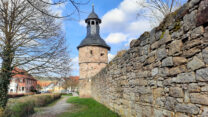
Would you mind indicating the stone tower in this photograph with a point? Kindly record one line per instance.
(93, 54)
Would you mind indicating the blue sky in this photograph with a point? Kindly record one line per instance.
(119, 26)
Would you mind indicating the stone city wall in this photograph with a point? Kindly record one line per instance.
(165, 71)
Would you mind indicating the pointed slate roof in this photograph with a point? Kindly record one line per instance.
(93, 15)
(93, 40)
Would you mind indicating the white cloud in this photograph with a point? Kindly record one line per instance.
(123, 19)
(138, 26)
(82, 23)
(75, 64)
(115, 38)
(110, 56)
(112, 20)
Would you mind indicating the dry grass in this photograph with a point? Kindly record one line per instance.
(25, 105)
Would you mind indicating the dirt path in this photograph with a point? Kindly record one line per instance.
(60, 107)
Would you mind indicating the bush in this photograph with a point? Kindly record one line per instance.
(1, 112)
(24, 106)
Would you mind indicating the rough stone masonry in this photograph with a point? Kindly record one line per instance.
(165, 71)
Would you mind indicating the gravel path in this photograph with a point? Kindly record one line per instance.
(60, 107)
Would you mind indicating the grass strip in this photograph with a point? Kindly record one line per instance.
(88, 108)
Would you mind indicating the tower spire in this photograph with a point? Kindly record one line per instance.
(93, 7)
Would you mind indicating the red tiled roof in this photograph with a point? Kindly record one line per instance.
(74, 77)
(19, 73)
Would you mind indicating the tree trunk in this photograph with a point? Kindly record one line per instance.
(5, 75)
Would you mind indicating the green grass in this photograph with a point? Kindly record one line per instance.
(67, 94)
(87, 107)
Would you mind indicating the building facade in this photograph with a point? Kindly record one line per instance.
(21, 82)
(93, 54)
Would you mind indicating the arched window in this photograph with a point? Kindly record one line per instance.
(93, 22)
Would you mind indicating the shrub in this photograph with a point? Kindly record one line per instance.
(1, 112)
(24, 106)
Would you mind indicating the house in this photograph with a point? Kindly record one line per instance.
(21, 82)
(48, 88)
(65, 85)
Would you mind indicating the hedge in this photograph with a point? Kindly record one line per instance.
(24, 106)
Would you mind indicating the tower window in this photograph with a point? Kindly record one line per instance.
(88, 23)
(91, 52)
(93, 22)
(102, 54)
(96, 23)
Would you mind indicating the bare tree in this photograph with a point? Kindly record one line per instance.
(32, 39)
(71, 5)
(156, 10)
(71, 82)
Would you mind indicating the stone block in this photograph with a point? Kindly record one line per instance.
(198, 98)
(177, 70)
(167, 62)
(146, 99)
(165, 38)
(187, 108)
(145, 50)
(144, 90)
(195, 63)
(163, 72)
(162, 113)
(133, 43)
(204, 89)
(170, 103)
(176, 92)
(167, 82)
(160, 101)
(185, 78)
(204, 112)
(150, 59)
(142, 74)
(191, 52)
(202, 74)
(206, 32)
(141, 82)
(158, 92)
(197, 32)
(194, 88)
(180, 115)
(205, 55)
(179, 60)
(155, 45)
(175, 47)
(146, 111)
(155, 71)
(161, 53)
(192, 43)
(202, 15)
(152, 36)
(192, 3)
(189, 21)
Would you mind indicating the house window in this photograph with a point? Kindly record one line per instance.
(102, 54)
(23, 88)
(11, 90)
